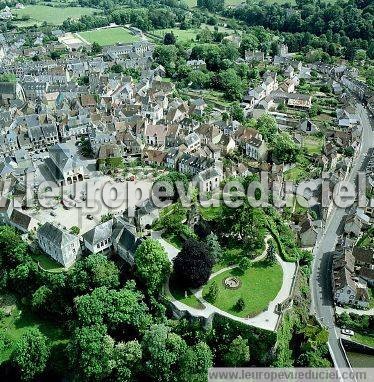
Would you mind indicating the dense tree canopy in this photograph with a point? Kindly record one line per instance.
(152, 265)
(193, 265)
(31, 354)
(92, 272)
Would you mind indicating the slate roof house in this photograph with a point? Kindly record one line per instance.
(59, 244)
(22, 221)
(347, 288)
(125, 240)
(99, 238)
(63, 165)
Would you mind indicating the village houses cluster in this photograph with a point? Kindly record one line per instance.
(55, 107)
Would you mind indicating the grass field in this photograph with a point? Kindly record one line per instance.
(211, 213)
(365, 339)
(295, 174)
(18, 322)
(313, 144)
(109, 36)
(260, 285)
(180, 34)
(180, 295)
(52, 15)
(47, 262)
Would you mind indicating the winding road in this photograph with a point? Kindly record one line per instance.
(320, 283)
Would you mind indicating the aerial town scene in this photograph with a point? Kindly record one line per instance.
(186, 187)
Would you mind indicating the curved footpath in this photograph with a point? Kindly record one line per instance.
(267, 320)
(320, 281)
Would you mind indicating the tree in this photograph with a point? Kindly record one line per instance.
(211, 5)
(85, 147)
(116, 68)
(193, 264)
(267, 126)
(244, 264)
(127, 358)
(30, 354)
(40, 297)
(165, 55)
(92, 272)
(171, 180)
(91, 352)
(152, 265)
(232, 84)
(212, 293)
(195, 363)
(169, 38)
(56, 54)
(240, 304)
(198, 79)
(270, 254)
(237, 112)
(249, 42)
(120, 310)
(13, 250)
(237, 352)
(96, 48)
(214, 247)
(74, 230)
(284, 148)
(163, 352)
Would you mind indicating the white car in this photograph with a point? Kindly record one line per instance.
(347, 332)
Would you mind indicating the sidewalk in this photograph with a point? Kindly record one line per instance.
(266, 320)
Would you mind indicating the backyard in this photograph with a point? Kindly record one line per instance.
(47, 263)
(109, 36)
(52, 15)
(259, 285)
(313, 144)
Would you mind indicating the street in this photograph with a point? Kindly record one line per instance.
(322, 301)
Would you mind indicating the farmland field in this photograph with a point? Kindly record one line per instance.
(52, 15)
(109, 36)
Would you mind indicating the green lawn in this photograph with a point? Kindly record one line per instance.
(174, 240)
(47, 263)
(211, 213)
(295, 174)
(12, 327)
(313, 144)
(109, 36)
(180, 295)
(52, 15)
(367, 239)
(180, 34)
(259, 285)
(366, 339)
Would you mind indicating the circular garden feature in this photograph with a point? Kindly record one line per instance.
(232, 282)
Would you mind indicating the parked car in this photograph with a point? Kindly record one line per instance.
(347, 332)
(90, 217)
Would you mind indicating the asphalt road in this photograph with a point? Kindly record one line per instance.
(322, 302)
